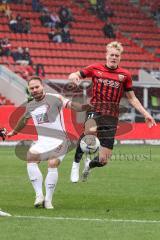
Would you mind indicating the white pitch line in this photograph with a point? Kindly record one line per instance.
(89, 219)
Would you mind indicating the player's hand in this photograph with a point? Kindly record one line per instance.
(150, 121)
(11, 133)
(86, 107)
(75, 78)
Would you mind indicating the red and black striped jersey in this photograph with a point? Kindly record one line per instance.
(108, 87)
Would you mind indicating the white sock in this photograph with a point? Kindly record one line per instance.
(50, 183)
(35, 177)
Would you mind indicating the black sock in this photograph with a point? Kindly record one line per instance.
(95, 163)
(79, 153)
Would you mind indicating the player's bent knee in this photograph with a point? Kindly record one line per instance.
(90, 127)
(90, 132)
(53, 163)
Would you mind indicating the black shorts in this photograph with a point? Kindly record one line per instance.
(106, 128)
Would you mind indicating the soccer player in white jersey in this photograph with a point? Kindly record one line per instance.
(45, 110)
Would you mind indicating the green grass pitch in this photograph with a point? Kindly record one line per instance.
(102, 208)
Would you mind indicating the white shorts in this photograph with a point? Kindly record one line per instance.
(49, 148)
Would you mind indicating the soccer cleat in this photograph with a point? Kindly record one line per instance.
(48, 205)
(86, 170)
(4, 214)
(75, 172)
(39, 201)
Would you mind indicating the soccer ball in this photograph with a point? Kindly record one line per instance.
(89, 144)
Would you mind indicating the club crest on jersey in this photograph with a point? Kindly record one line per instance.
(121, 77)
(42, 118)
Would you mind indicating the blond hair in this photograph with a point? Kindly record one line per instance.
(117, 45)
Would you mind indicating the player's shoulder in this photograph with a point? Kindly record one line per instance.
(29, 105)
(54, 95)
(124, 71)
(29, 102)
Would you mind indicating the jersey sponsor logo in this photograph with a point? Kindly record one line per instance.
(109, 82)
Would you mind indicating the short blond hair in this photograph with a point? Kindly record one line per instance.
(117, 45)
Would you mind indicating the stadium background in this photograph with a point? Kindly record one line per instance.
(136, 25)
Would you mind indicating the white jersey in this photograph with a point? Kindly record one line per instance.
(47, 115)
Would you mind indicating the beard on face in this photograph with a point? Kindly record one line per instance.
(39, 95)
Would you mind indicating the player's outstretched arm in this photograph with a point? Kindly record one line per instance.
(79, 107)
(133, 100)
(20, 125)
(75, 77)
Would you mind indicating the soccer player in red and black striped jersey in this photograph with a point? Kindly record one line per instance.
(109, 81)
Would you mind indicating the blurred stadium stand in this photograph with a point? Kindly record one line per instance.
(61, 59)
(134, 27)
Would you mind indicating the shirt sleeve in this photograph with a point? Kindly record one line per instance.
(27, 112)
(128, 85)
(63, 101)
(87, 71)
(24, 110)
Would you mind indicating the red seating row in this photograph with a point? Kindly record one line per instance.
(138, 25)
(74, 54)
(89, 46)
(151, 43)
(76, 47)
(20, 7)
(142, 22)
(23, 36)
(87, 25)
(153, 5)
(86, 32)
(135, 28)
(149, 36)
